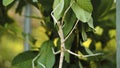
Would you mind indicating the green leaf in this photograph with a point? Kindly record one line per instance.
(81, 13)
(90, 23)
(101, 8)
(7, 2)
(47, 58)
(83, 33)
(85, 4)
(105, 6)
(24, 60)
(82, 9)
(69, 22)
(35, 0)
(68, 45)
(58, 7)
(88, 51)
(80, 65)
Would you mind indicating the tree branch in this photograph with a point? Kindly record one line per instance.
(62, 39)
(62, 47)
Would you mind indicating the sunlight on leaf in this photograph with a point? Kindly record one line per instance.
(112, 33)
(55, 41)
(111, 46)
(87, 43)
(98, 46)
(98, 30)
(40, 35)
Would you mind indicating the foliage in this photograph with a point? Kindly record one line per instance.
(85, 16)
(7, 2)
(26, 61)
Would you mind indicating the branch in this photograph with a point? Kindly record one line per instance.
(93, 55)
(71, 30)
(53, 12)
(41, 64)
(73, 53)
(55, 52)
(62, 39)
(66, 12)
(83, 56)
(60, 32)
(33, 65)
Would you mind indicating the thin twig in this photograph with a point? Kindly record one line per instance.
(55, 52)
(71, 30)
(41, 64)
(73, 53)
(83, 56)
(33, 61)
(53, 12)
(63, 17)
(33, 65)
(93, 55)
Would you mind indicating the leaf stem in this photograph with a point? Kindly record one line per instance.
(33, 61)
(55, 52)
